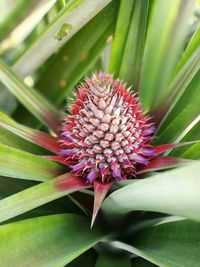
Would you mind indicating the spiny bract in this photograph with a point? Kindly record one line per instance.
(106, 136)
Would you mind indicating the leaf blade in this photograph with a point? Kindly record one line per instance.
(75, 14)
(133, 52)
(23, 165)
(166, 32)
(31, 99)
(182, 115)
(121, 32)
(37, 137)
(170, 244)
(66, 236)
(60, 78)
(38, 195)
(152, 194)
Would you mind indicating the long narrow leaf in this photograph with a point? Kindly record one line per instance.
(191, 48)
(39, 138)
(72, 17)
(38, 195)
(15, 16)
(177, 87)
(120, 36)
(166, 32)
(31, 99)
(192, 134)
(9, 139)
(192, 152)
(19, 164)
(161, 163)
(182, 114)
(133, 52)
(53, 240)
(21, 21)
(77, 56)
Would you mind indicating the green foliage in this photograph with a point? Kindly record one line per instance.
(17, 164)
(169, 243)
(53, 240)
(152, 45)
(164, 192)
(166, 32)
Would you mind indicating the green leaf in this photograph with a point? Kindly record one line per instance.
(86, 259)
(20, 22)
(113, 261)
(193, 134)
(166, 32)
(53, 240)
(37, 137)
(19, 164)
(9, 139)
(72, 17)
(174, 192)
(31, 99)
(183, 115)
(193, 152)
(7, 101)
(169, 244)
(77, 56)
(38, 195)
(178, 86)
(120, 36)
(190, 152)
(131, 59)
(9, 187)
(139, 262)
(15, 16)
(191, 48)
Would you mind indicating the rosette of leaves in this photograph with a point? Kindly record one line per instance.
(49, 186)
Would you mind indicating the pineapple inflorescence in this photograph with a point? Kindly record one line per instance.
(106, 136)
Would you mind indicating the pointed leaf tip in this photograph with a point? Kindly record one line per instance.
(100, 191)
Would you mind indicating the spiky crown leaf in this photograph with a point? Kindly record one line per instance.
(106, 136)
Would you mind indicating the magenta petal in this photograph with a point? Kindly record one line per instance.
(117, 173)
(79, 166)
(150, 130)
(67, 152)
(92, 175)
(140, 159)
(148, 152)
(67, 136)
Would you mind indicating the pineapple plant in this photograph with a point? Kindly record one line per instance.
(99, 133)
